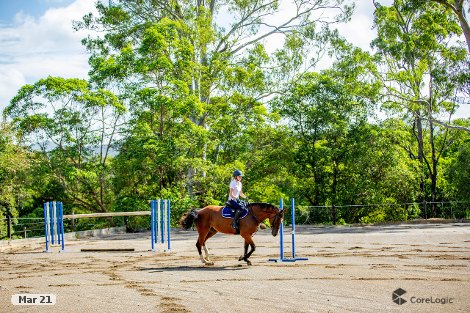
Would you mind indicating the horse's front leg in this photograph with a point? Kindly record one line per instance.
(242, 257)
(248, 242)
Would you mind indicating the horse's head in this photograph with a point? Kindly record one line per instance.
(263, 210)
(276, 220)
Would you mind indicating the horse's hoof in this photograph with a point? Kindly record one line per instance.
(248, 262)
(240, 258)
(209, 263)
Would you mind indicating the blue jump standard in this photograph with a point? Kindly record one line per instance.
(54, 224)
(281, 237)
(160, 213)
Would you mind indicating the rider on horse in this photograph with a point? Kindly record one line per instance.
(234, 197)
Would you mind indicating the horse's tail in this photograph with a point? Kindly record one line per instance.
(188, 219)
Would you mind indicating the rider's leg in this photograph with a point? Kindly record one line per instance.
(236, 218)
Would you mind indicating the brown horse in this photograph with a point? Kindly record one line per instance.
(209, 221)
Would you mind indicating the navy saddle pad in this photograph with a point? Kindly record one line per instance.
(229, 213)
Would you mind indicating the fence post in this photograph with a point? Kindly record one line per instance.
(334, 214)
(73, 220)
(425, 210)
(281, 233)
(9, 226)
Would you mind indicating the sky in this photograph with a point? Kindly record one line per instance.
(37, 40)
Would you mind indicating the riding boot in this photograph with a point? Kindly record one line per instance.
(236, 218)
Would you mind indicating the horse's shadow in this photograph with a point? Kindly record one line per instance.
(191, 268)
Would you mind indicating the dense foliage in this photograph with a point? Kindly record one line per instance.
(180, 93)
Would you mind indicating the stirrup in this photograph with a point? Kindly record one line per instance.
(237, 229)
(235, 225)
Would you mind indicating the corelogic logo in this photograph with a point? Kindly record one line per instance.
(396, 296)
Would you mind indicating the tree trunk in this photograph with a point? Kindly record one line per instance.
(465, 28)
(433, 170)
(433, 174)
(459, 10)
(419, 137)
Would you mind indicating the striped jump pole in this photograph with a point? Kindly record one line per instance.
(54, 224)
(281, 237)
(160, 223)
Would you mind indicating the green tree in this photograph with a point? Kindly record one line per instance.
(413, 41)
(322, 109)
(341, 157)
(459, 174)
(16, 190)
(197, 73)
(74, 128)
(458, 9)
(321, 113)
(456, 170)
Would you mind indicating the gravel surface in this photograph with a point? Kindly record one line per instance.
(349, 269)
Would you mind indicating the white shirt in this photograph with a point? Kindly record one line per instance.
(237, 188)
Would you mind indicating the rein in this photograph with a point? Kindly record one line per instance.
(250, 210)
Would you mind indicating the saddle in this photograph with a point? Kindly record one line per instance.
(229, 212)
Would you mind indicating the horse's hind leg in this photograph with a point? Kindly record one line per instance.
(199, 249)
(203, 235)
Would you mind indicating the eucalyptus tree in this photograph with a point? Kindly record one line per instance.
(458, 9)
(73, 127)
(202, 64)
(417, 51)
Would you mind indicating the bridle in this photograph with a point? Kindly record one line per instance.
(278, 215)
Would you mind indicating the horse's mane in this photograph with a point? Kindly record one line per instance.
(264, 206)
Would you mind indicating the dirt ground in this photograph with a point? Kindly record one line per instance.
(349, 269)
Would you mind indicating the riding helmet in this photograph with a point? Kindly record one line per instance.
(237, 173)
